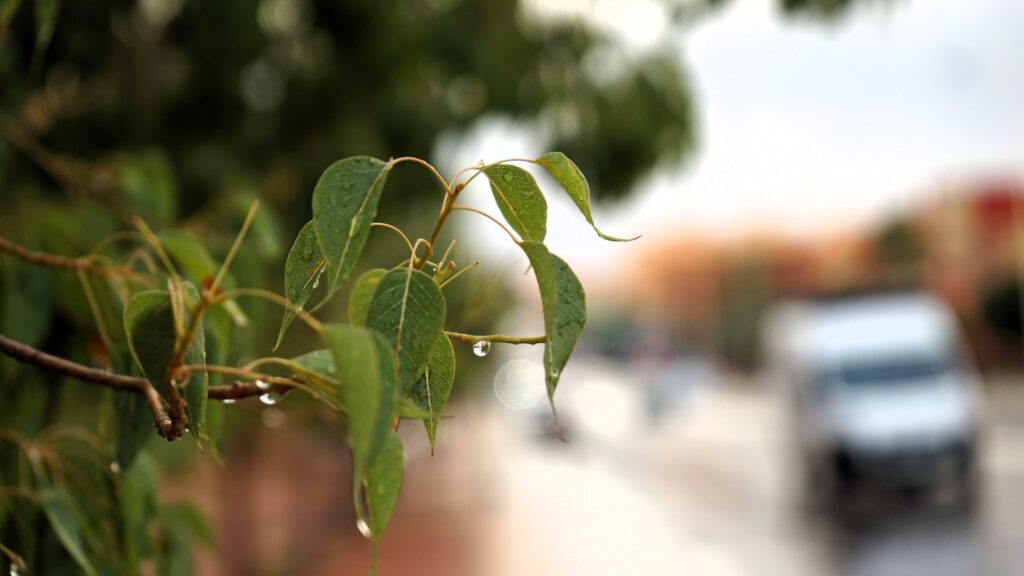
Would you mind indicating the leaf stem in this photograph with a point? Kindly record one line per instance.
(501, 338)
(489, 217)
(272, 297)
(234, 247)
(458, 273)
(396, 230)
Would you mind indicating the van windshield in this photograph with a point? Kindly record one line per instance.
(893, 371)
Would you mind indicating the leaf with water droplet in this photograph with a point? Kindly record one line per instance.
(565, 310)
(342, 215)
(520, 200)
(432, 390)
(362, 294)
(383, 482)
(59, 510)
(365, 363)
(302, 270)
(571, 179)
(409, 310)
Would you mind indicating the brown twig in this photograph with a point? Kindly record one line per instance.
(29, 355)
(63, 262)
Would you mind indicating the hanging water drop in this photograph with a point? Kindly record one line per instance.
(115, 468)
(481, 348)
(263, 385)
(270, 398)
(316, 283)
(364, 528)
(229, 400)
(16, 570)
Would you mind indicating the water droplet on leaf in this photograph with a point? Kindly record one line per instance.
(481, 348)
(364, 528)
(270, 398)
(316, 283)
(509, 177)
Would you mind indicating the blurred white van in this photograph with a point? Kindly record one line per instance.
(882, 390)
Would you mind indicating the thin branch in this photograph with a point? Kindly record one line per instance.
(241, 390)
(29, 355)
(502, 338)
(272, 297)
(63, 262)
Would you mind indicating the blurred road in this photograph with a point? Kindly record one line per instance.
(707, 489)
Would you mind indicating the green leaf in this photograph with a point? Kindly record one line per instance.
(134, 426)
(565, 310)
(8, 8)
(137, 507)
(366, 365)
(409, 310)
(57, 507)
(432, 390)
(406, 408)
(149, 325)
(46, 12)
(147, 183)
(362, 293)
(302, 272)
(571, 179)
(318, 370)
(520, 200)
(344, 205)
(383, 483)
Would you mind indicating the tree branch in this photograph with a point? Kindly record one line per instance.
(473, 338)
(63, 262)
(29, 355)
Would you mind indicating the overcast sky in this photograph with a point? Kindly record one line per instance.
(805, 127)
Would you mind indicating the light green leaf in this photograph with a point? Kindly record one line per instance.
(565, 310)
(149, 325)
(58, 508)
(318, 370)
(383, 483)
(520, 200)
(344, 205)
(362, 294)
(365, 363)
(432, 390)
(302, 272)
(409, 310)
(571, 179)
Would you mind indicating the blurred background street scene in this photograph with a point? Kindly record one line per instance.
(811, 362)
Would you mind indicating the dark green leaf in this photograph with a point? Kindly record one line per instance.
(520, 200)
(565, 310)
(7, 10)
(58, 508)
(149, 325)
(344, 205)
(366, 366)
(138, 507)
(432, 389)
(148, 185)
(569, 177)
(409, 310)
(362, 294)
(383, 483)
(302, 272)
(134, 426)
(46, 12)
